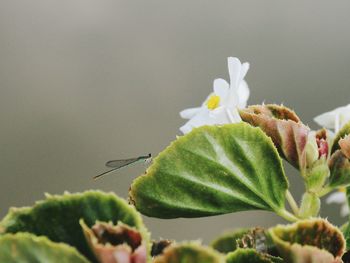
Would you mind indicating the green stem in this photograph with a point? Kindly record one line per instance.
(324, 191)
(287, 215)
(292, 203)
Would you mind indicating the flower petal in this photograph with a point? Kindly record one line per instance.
(337, 198)
(189, 113)
(219, 116)
(243, 94)
(326, 120)
(330, 119)
(186, 128)
(344, 210)
(221, 88)
(234, 69)
(244, 70)
(200, 119)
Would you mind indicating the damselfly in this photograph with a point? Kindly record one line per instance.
(117, 164)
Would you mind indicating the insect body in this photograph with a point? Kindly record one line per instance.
(117, 164)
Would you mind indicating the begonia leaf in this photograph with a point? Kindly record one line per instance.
(312, 240)
(189, 252)
(345, 130)
(284, 127)
(228, 241)
(251, 255)
(57, 217)
(25, 247)
(213, 170)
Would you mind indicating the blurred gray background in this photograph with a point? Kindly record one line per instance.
(86, 81)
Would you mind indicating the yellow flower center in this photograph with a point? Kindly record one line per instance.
(213, 102)
(342, 189)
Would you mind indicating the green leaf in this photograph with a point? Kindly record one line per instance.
(345, 130)
(159, 246)
(313, 240)
(228, 242)
(58, 217)
(346, 227)
(339, 167)
(213, 170)
(25, 247)
(339, 163)
(316, 175)
(189, 252)
(251, 256)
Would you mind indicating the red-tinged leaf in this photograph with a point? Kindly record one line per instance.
(339, 166)
(345, 146)
(345, 130)
(313, 240)
(115, 243)
(284, 127)
(189, 252)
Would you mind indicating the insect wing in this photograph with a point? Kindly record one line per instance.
(121, 163)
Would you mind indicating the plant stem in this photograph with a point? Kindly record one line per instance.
(292, 203)
(287, 215)
(324, 191)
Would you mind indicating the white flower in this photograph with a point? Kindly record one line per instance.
(334, 119)
(221, 106)
(339, 197)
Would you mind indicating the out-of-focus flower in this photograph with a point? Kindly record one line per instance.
(339, 197)
(334, 119)
(221, 106)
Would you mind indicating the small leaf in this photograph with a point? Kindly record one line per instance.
(344, 144)
(316, 175)
(189, 252)
(58, 217)
(313, 240)
(159, 246)
(346, 227)
(228, 242)
(25, 247)
(115, 243)
(213, 170)
(339, 167)
(251, 255)
(257, 239)
(345, 130)
(285, 129)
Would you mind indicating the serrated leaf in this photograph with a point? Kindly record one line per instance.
(25, 247)
(339, 167)
(111, 243)
(251, 256)
(345, 130)
(57, 217)
(284, 127)
(159, 246)
(346, 227)
(228, 242)
(189, 252)
(213, 170)
(313, 240)
(344, 144)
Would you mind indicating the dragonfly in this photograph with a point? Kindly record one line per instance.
(117, 164)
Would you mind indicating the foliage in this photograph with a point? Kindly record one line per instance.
(57, 217)
(211, 170)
